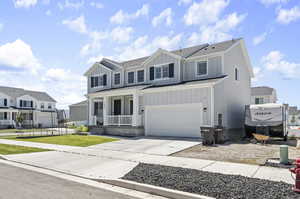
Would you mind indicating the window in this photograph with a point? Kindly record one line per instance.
(202, 68)
(130, 77)
(98, 107)
(131, 107)
(117, 78)
(220, 119)
(3, 102)
(140, 75)
(26, 104)
(49, 106)
(162, 72)
(259, 100)
(42, 105)
(236, 74)
(3, 115)
(97, 81)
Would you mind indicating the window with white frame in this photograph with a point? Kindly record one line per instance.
(130, 77)
(42, 105)
(97, 81)
(26, 104)
(117, 78)
(259, 100)
(3, 115)
(162, 71)
(140, 76)
(236, 74)
(3, 102)
(49, 106)
(201, 68)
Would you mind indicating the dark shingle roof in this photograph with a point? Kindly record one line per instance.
(261, 90)
(17, 92)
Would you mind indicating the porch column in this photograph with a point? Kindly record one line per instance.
(90, 112)
(106, 107)
(135, 115)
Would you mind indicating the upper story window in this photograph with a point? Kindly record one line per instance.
(49, 106)
(26, 104)
(162, 71)
(97, 81)
(42, 105)
(140, 76)
(201, 68)
(259, 100)
(130, 77)
(236, 74)
(117, 79)
(3, 102)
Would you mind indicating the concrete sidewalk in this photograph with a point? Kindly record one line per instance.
(104, 163)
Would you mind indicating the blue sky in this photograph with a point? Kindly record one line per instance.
(48, 45)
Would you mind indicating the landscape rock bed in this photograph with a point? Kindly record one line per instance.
(215, 185)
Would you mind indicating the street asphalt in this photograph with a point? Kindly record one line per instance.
(18, 183)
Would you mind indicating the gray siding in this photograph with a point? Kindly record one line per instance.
(237, 94)
(78, 113)
(214, 66)
(97, 71)
(195, 95)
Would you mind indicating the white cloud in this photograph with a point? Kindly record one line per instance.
(142, 46)
(77, 25)
(286, 16)
(94, 59)
(24, 3)
(121, 34)
(270, 2)
(217, 32)
(96, 5)
(260, 38)
(205, 12)
(58, 74)
(122, 17)
(48, 13)
(18, 54)
(184, 2)
(258, 74)
(71, 4)
(274, 61)
(164, 16)
(95, 42)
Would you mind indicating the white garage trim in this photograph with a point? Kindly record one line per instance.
(193, 116)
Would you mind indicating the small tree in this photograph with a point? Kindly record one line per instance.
(19, 119)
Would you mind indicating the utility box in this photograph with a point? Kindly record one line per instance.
(207, 134)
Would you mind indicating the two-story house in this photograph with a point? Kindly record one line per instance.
(172, 93)
(263, 95)
(36, 108)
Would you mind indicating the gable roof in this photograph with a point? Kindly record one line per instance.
(184, 53)
(82, 103)
(18, 92)
(262, 90)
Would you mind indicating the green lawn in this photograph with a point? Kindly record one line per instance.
(6, 149)
(71, 140)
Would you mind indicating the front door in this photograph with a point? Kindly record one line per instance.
(117, 107)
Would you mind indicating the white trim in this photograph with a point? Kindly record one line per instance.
(212, 106)
(161, 66)
(159, 52)
(216, 54)
(196, 68)
(87, 73)
(223, 64)
(105, 59)
(97, 75)
(134, 77)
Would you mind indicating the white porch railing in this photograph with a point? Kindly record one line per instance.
(7, 122)
(119, 120)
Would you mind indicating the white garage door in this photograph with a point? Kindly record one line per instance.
(182, 120)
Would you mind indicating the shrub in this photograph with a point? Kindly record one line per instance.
(84, 129)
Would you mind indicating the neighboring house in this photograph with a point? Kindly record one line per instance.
(172, 93)
(294, 116)
(263, 95)
(79, 113)
(36, 108)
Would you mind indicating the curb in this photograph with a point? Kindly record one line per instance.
(2, 157)
(160, 191)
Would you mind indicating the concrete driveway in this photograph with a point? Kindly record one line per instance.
(149, 145)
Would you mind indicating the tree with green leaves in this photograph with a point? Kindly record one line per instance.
(19, 119)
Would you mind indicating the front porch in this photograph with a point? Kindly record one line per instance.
(120, 109)
(8, 118)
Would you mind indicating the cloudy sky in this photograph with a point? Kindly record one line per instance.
(48, 44)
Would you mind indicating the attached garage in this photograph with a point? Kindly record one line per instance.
(180, 120)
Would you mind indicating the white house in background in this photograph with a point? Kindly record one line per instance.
(172, 93)
(263, 95)
(37, 108)
(294, 116)
(79, 113)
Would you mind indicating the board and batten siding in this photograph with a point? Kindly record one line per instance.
(79, 113)
(214, 68)
(97, 71)
(186, 96)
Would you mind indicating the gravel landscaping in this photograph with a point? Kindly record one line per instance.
(210, 184)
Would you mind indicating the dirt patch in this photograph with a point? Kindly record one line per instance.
(240, 152)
